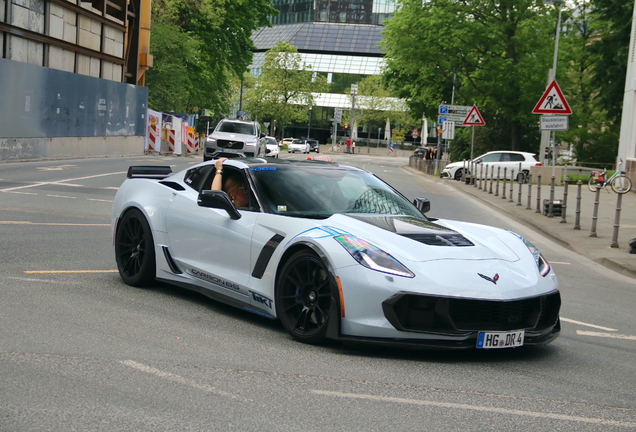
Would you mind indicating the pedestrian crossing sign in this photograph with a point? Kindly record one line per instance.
(474, 118)
(552, 101)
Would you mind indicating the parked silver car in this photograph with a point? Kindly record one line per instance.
(232, 138)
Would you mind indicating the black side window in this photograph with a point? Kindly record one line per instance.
(517, 157)
(196, 176)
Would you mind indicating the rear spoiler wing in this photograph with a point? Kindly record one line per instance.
(158, 172)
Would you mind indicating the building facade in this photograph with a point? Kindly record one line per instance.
(338, 39)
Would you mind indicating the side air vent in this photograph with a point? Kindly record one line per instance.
(173, 265)
(446, 239)
(173, 185)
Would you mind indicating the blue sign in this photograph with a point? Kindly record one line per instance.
(441, 119)
(443, 109)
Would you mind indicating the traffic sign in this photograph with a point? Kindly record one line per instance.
(474, 118)
(415, 133)
(457, 118)
(552, 102)
(554, 122)
(448, 131)
(453, 109)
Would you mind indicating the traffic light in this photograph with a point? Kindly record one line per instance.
(346, 126)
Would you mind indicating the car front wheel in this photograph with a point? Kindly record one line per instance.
(458, 174)
(304, 295)
(135, 250)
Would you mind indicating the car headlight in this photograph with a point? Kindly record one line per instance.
(542, 263)
(211, 140)
(372, 257)
(250, 143)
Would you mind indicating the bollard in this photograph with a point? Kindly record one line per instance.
(577, 218)
(529, 206)
(564, 204)
(463, 176)
(512, 184)
(519, 183)
(497, 188)
(481, 174)
(503, 194)
(473, 173)
(617, 219)
(551, 203)
(595, 214)
(492, 170)
(538, 194)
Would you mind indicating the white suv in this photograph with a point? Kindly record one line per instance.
(503, 159)
(232, 138)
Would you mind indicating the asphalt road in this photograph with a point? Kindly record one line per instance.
(79, 350)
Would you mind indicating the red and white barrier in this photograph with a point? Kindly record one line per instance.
(171, 140)
(153, 138)
(190, 144)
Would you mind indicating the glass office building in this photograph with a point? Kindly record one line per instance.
(337, 38)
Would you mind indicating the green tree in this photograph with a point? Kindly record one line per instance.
(284, 89)
(203, 44)
(494, 54)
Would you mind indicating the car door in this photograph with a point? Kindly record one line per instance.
(211, 246)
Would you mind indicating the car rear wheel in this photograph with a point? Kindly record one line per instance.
(135, 250)
(304, 295)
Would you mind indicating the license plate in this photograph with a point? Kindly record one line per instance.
(491, 340)
(224, 150)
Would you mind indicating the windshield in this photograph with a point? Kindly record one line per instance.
(321, 191)
(298, 141)
(239, 128)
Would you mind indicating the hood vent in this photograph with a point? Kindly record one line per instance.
(446, 239)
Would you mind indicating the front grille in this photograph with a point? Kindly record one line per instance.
(424, 313)
(228, 144)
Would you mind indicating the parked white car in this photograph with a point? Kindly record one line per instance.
(494, 160)
(273, 149)
(299, 145)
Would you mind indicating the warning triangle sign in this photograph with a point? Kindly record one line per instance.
(474, 118)
(552, 101)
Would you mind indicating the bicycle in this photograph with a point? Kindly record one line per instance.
(335, 148)
(617, 181)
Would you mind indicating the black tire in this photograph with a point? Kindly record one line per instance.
(135, 250)
(304, 294)
(522, 177)
(458, 174)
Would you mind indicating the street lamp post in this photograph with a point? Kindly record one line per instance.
(309, 124)
(551, 135)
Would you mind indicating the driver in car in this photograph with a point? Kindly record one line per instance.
(233, 185)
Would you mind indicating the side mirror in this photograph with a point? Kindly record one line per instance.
(219, 200)
(422, 204)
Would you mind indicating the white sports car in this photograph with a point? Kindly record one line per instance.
(334, 252)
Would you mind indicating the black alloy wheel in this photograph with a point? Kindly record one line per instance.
(304, 296)
(135, 250)
(458, 174)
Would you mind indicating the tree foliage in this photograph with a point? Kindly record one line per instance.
(493, 54)
(198, 47)
(283, 91)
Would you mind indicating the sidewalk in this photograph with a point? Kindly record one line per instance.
(598, 248)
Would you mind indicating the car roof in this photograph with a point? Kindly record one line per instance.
(510, 151)
(237, 121)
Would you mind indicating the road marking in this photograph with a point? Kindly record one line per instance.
(605, 335)
(179, 379)
(54, 168)
(49, 223)
(505, 411)
(67, 271)
(560, 262)
(587, 324)
(61, 196)
(100, 200)
(61, 181)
